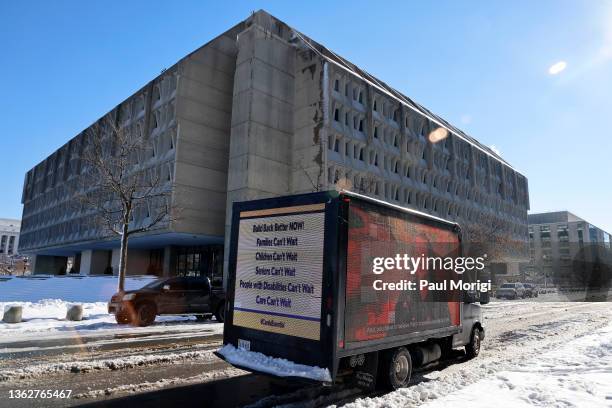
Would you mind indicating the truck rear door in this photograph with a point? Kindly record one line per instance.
(282, 254)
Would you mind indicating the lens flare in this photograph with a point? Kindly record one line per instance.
(438, 135)
(557, 68)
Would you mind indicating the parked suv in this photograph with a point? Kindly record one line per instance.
(511, 291)
(179, 295)
(530, 290)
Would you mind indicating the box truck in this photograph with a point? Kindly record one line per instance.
(325, 286)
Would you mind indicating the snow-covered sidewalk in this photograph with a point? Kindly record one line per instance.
(47, 317)
(46, 299)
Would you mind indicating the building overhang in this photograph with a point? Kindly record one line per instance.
(150, 241)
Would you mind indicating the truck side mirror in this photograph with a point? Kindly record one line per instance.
(469, 297)
(485, 297)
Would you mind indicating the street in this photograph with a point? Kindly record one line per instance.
(158, 367)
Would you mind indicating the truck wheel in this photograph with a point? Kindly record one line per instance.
(472, 349)
(396, 368)
(145, 314)
(220, 312)
(202, 318)
(122, 318)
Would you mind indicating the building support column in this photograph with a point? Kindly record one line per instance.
(115, 260)
(86, 257)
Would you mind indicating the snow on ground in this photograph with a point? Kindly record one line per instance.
(71, 288)
(276, 366)
(119, 363)
(557, 362)
(46, 299)
(576, 375)
(48, 316)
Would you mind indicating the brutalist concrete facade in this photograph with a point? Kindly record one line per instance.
(263, 111)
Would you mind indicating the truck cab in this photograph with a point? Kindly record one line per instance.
(472, 330)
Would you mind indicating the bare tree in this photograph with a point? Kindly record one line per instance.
(490, 236)
(122, 185)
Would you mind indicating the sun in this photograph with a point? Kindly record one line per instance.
(557, 68)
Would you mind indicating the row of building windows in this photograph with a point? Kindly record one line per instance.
(58, 205)
(423, 200)
(452, 155)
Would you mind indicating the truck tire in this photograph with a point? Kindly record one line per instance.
(144, 314)
(220, 312)
(203, 318)
(122, 318)
(472, 349)
(396, 368)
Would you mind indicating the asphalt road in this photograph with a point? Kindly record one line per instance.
(158, 369)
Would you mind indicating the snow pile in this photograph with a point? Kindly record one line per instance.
(76, 288)
(578, 373)
(275, 366)
(111, 364)
(49, 316)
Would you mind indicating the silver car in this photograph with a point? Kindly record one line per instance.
(510, 291)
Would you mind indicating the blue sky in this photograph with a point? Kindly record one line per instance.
(481, 65)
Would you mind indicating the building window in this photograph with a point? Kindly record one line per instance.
(337, 85)
(337, 115)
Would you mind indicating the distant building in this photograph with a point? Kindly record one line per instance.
(556, 241)
(261, 111)
(9, 236)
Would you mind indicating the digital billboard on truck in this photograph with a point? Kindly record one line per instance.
(377, 231)
(279, 270)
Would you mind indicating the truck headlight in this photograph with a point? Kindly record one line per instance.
(129, 296)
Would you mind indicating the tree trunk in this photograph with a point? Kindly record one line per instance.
(123, 258)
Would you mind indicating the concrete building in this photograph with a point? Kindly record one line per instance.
(556, 241)
(9, 236)
(262, 111)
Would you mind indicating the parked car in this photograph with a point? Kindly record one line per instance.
(530, 290)
(193, 296)
(511, 291)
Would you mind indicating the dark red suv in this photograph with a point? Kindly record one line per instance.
(169, 296)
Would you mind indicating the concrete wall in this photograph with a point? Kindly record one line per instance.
(262, 125)
(204, 109)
